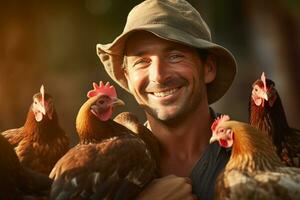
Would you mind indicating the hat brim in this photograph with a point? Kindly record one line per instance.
(111, 55)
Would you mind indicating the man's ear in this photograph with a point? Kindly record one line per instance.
(210, 69)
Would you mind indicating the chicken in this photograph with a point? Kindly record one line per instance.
(17, 182)
(110, 161)
(267, 114)
(254, 171)
(41, 141)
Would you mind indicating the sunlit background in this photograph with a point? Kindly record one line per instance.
(53, 43)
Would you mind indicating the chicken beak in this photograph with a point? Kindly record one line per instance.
(117, 102)
(265, 96)
(39, 111)
(213, 139)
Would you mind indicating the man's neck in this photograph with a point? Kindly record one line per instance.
(183, 141)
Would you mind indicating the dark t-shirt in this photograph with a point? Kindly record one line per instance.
(208, 167)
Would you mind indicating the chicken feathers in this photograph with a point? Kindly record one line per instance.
(254, 170)
(131, 122)
(110, 161)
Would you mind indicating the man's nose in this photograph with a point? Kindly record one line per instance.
(158, 70)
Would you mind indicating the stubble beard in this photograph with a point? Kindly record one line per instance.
(181, 114)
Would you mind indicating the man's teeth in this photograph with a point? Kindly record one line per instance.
(165, 93)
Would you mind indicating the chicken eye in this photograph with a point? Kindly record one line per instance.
(221, 130)
(256, 89)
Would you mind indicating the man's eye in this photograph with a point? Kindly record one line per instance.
(140, 63)
(175, 57)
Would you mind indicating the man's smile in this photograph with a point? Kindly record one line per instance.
(165, 93)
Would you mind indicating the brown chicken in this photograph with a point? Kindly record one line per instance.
(17, 182)
(266, 112)
(254, 171)
(131, 122)
(41, 141)
(110, 161)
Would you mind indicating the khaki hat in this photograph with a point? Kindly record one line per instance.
(174, 20)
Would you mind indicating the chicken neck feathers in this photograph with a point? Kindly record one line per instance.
(249, 153)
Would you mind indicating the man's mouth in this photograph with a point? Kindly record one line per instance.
(167, 90)
(165, 93)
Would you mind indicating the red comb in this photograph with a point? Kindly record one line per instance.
(42, 91)
(219, 120)
(106, 89)
(263, 79)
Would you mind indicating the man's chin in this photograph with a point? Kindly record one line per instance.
(167, 117)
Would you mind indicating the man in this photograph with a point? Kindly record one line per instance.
(166, 59)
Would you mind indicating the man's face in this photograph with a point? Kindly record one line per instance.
(166, 78)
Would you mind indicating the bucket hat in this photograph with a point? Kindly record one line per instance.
(173, 20)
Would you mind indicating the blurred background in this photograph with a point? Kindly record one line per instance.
(53, 43)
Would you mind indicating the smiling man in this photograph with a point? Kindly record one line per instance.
(166, 59)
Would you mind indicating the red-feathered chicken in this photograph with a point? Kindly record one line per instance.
(267, 114)
(16, 181)
(254, 171)
(110, 162)
(41, 141)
